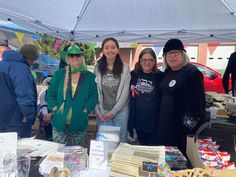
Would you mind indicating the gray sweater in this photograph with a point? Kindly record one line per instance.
(122, 94)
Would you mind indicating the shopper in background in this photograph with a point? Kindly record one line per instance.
(3, 46)
(182, 108)
(230, 70)
(18, 105)
(45, 116)
(145, 98)
(71, 96)
(113, 78)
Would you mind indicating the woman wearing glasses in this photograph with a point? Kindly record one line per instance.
(113, 77)
(71, 96)
(182, 108)
(145, 98)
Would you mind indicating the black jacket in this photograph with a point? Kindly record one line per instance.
(182, 105)
(230, 69)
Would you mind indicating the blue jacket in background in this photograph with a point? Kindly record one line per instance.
(18, 95)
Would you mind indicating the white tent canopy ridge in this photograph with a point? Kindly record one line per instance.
(128, 21)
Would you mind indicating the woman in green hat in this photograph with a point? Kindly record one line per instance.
(71, 96)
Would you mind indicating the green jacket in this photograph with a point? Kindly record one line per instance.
(85, 97)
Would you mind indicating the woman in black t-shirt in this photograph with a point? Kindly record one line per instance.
(144, 102)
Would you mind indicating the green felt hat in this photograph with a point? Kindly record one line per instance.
(74, 49)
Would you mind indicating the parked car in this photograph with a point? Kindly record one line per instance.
(44, 67)
(212, 78)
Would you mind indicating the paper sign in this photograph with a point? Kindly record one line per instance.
(8, 149)
(98, 155)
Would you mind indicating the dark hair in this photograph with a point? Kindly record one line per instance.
(150, 51)
(102, 62)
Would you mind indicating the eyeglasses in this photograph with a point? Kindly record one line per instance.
(173, 52)
(147, 59)
(74, 55)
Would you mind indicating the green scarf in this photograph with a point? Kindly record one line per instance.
(77, 69)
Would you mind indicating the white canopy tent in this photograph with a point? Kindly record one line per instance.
(126, 20)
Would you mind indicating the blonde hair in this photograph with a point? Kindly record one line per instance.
(185, 58)
(66, 81)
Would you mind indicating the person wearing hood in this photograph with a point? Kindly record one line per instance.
(3, 46)
(71, 96)
(182, 107)
(18, 105)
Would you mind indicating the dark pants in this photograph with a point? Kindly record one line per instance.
(148, 139)
(46, 131)
(23, 131)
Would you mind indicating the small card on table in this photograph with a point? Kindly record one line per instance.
(98, 156)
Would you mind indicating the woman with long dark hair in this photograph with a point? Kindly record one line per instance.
(113, 77)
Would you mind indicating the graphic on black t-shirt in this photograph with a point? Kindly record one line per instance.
(144, 86)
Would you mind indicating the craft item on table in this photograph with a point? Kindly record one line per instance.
(210, 163)
(150, 167)
(37, 147)
(55, 159)
(76, 160)
(55, 172)
(8, 152)
(196, 172)
(98, 155)
(109, 135)
(212, 157)
(208, 143)
(174, 158)
(231, 108)
(9, 165)
(230, 166)
(65, 172)
(128, 159)
(213, 112)
(164, 170)
(223, 156)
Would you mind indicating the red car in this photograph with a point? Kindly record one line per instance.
(212, 78)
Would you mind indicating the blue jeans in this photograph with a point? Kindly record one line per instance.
(119, 120)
